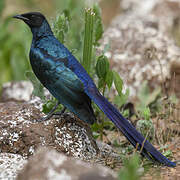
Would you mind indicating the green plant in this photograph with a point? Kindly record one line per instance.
(105, 76)
(146, 128)
(61, 26)
(130, 171)
(121, 98)
(68, 25)
(149, 105)
(13, 50)
(165, 151)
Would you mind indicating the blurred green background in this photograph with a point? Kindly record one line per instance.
(15, 36)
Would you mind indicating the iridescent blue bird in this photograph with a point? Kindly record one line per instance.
(66, 79)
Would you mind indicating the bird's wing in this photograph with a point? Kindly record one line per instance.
(70, 82)
(61, 78)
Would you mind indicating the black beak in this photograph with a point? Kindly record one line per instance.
(21, 17)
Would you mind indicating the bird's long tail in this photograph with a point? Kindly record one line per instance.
(128, 130)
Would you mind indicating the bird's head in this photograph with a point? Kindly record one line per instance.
(32, 19)
(37, 22)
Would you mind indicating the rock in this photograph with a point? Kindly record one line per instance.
(10, 165)
(166, 10)
(20, 133)
(165, 14)
(141, 45)
(50, 165)
(16, 91)
(22, 91)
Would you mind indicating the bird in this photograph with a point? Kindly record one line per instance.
(66, 79)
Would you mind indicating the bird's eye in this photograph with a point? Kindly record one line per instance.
(36, 20)
(33, 17)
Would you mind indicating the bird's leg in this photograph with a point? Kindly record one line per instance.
(50, 114)
(60, 112)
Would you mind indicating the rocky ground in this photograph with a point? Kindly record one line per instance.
(22, 139)
(21, 134)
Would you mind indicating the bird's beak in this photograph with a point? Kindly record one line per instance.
(21, 17)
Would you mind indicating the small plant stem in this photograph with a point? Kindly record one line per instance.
(144, 141)
(88, 39)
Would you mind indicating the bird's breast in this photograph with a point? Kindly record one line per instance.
(42, 67)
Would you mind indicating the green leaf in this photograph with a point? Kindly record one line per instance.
(126, 113)
(101, 83)
(61, 26)
(120, 100)
(147, 113)
(95, 127)
(49, 104)
(102, 66)
(118, 82)
(67, 15)
(96, 135)
(130, 169)
(108, 124)
(109, 78)
(167, 153)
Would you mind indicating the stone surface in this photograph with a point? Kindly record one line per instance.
(20, 133)
(55, 166)
(16, 91)
(141, 46)
(10, 165)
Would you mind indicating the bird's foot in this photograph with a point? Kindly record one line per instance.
(57, 114)
(60, 112)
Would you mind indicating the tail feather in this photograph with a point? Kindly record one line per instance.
(128, 130)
